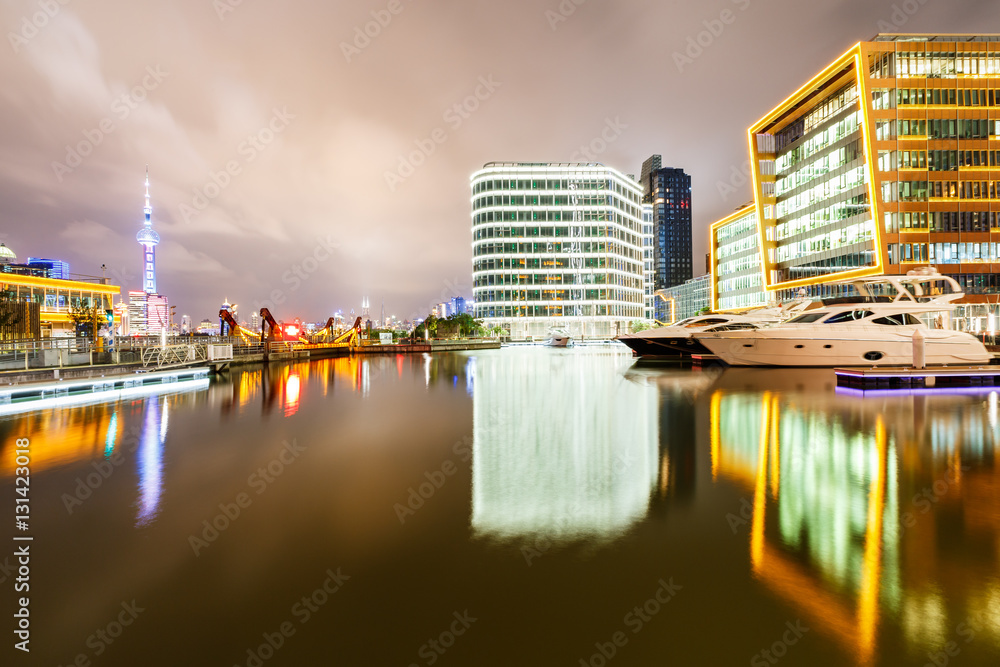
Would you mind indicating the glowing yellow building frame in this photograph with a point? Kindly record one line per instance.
(849, 66)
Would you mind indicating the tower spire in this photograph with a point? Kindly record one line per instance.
(149, 239)
(147, 209)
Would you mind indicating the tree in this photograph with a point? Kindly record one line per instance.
(467, 325)
(428, 325)
(639, 325)
(87, 318)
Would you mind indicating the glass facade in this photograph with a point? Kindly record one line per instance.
(887, 160)
(687, 299)
(736, 264)
(818, 214)
(557, 245)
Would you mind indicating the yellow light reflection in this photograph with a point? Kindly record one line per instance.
(872, 568)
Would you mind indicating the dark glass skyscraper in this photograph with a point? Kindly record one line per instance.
(668, 190)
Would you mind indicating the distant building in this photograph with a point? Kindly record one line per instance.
(137, 313)
(54, 268)
(185, 324)
(686, 300)
(7, 255)
(208, 327)
(668, 191)
(647, 261)
(557, 245)
(735, 262)
(457, 305)
(157, 314)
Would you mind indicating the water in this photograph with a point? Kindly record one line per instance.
(516, 507)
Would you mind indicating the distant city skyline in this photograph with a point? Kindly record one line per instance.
(304, 159)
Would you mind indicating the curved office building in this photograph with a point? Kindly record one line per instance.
(557, 245)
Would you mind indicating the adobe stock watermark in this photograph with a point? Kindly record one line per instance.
(926, 498)
(901, 14)
(434, 648)
(612, 131)
(300, 272)
(700, 42)
(779, 649)
(562, 13)
(259, 481)
(433, 481)
(89, 483)
(738, 179)
(635, 620)
(104, 637)
(223, 7)
(303, 611)
(454, 117)
(248, 149)
(952, 649)
(35, 23)
(365, 34)
(121, 108)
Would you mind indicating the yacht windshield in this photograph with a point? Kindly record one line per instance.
(848, 316)
(707, 321)
(808, 317)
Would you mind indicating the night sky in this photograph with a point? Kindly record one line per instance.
(297, 160)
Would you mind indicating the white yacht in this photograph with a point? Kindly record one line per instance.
(559, 338)
(875, 327)
(678, 340)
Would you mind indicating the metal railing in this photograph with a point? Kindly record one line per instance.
(173, 355)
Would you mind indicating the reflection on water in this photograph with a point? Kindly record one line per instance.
(562, 448)
(868, 509)
(154, 434)
(770, 495)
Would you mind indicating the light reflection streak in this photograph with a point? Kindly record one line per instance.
(112, 436)
(292, 394)
(154, 434)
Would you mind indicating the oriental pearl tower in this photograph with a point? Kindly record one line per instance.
(148, 239)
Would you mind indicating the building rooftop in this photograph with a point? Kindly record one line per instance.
(934, 37)
(6, 254)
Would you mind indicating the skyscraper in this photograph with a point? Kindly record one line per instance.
(668, 191)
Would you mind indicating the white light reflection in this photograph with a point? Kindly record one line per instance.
(154, 434)
(562, 449)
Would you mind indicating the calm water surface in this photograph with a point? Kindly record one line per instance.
(514, 507)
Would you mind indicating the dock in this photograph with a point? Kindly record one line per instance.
(35, 395)
(918, 378)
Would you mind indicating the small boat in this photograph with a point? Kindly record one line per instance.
(559, 338)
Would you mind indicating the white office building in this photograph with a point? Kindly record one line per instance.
(557, 245)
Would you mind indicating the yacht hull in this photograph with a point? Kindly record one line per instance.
(680, 346)
(848, 348)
